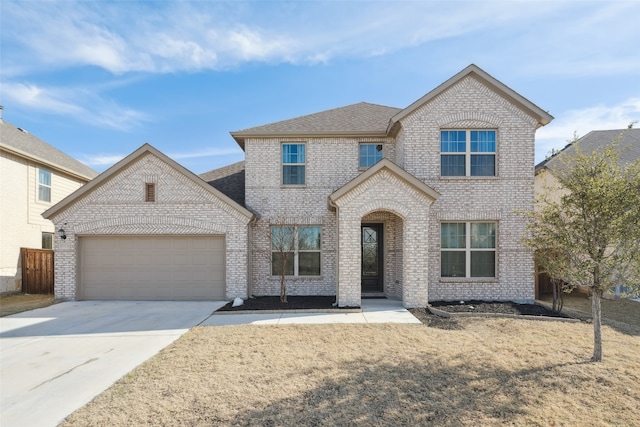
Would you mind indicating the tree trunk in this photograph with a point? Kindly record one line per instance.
(283, 289)
(597, 325)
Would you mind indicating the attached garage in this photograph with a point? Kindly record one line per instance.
(152, 268)
(149, 229)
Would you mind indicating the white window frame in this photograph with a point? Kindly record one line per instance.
(283, 164)
(379, 147)
(296, 250)
(468, 153)
(468, 250)
(49, 237)
(43, 185)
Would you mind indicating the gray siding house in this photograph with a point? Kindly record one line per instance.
(415, 204)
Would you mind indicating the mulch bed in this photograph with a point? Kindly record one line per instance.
(497, 307)
(294, 303)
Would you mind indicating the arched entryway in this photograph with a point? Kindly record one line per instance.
(384, 193)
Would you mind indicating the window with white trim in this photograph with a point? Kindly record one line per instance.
(293, 164)
(370, 154)
(467, 153)
(296, 249)
(47, 240)
(44, 185)
(468, 249)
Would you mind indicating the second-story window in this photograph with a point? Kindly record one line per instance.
(468, 153)
(370, 154)
(293, 164)
(44, 185)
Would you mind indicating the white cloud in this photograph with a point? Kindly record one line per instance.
(185, 36)
(599, 117)
(100, 160)
(74, 103)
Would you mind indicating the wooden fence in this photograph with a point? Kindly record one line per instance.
(37, 271)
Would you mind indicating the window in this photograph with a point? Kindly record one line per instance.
(468, 153)
(468, 249)
(44, 185)
(47, 240)
(149, 192)
(296, 249)
(370, 154)
(293, 164)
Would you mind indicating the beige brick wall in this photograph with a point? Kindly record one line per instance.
(181, 208)
(21, 222)
(469, 104)
(413, 276)
(331, 162)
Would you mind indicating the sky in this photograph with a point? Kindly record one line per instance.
(97, 79)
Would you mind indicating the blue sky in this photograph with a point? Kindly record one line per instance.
(97, 79)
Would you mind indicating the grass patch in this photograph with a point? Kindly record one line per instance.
(490, 371)
(17, 303)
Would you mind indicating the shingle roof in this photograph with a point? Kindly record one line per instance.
(362, 118)
(229, 180)
(369, 120)
(629, 146)
(27, 145)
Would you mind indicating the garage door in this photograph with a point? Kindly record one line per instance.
(152, 268)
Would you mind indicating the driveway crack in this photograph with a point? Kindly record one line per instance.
(64, 373)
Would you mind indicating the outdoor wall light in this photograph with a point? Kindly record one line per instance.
(63, 236)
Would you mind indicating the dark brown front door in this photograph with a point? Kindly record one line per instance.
(372, 258)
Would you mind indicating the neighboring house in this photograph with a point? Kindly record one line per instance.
(33, 177)
(628, 145)
(416, 204)
(546, 171)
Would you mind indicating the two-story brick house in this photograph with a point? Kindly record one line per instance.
(416, 204)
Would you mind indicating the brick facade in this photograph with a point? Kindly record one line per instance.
(118, 207)
(405, 193)
(411, 223)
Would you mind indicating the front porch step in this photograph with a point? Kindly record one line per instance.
(372, 295)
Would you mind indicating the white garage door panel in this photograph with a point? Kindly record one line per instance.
(152, 268)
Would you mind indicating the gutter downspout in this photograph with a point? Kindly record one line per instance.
(334, 206)
(251, 224)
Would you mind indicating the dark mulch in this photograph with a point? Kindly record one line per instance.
(498, 307)
(294, 303)
(430, 319)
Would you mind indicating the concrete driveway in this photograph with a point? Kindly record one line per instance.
(56, 359)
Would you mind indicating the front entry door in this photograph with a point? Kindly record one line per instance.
(372, 278)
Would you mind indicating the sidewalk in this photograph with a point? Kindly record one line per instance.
(373, 311)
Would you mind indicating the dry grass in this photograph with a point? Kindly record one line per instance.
(17, 303)
(490, 372)
(617, 313)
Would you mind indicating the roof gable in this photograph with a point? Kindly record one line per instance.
(22, 143)
(371, 120)
(385, 164)
(123, 164)
(495, 85)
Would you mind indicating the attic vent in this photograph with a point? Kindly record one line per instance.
(23, 130)
(149, 192)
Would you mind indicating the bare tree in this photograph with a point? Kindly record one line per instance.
(590, 236)
(283, 240)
